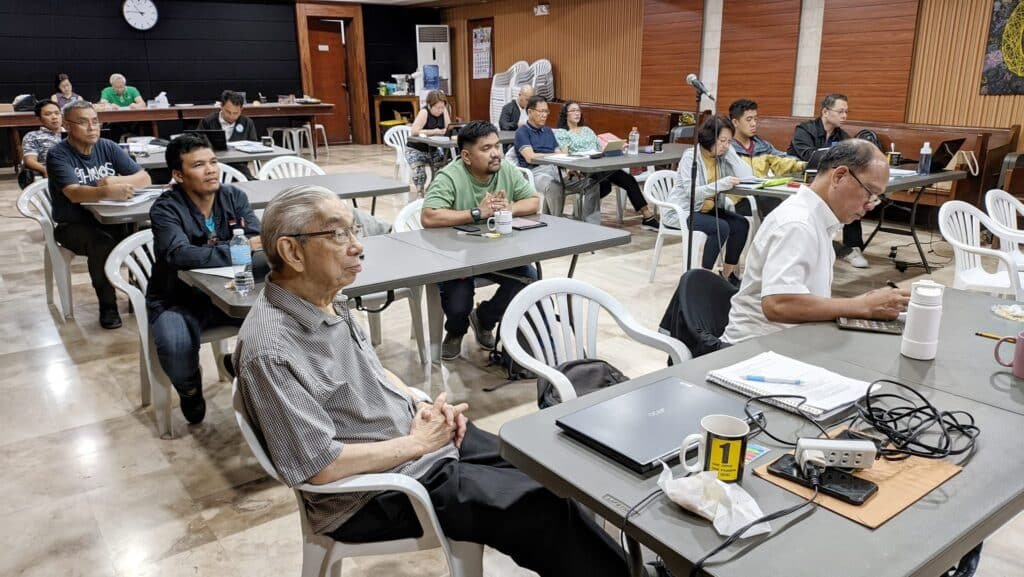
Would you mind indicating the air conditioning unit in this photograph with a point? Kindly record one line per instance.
(433, 47)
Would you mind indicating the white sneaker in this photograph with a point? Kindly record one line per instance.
(856, 259)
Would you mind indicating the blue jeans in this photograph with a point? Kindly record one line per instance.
(457, 299)
(176, 335)
(726, 228)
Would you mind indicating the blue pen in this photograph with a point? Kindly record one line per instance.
(763, 379)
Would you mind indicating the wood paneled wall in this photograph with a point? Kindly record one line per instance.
(867, 47)
(758, 55)
(577, 36)
(671, 49)
(946, 82)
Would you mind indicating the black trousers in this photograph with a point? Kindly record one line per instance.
(626, 182)
(482, 498)
(95, 242)
(457, 299)
(853, 235)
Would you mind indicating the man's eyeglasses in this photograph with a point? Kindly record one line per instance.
(840, 110)
(540, 111)
(86, 123)
(340, 235)
(872, 198)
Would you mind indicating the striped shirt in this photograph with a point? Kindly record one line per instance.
(312, 383)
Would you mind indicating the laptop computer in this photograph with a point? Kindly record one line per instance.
(646, 425)
(815, 159)
(943, 153)
(216, 137)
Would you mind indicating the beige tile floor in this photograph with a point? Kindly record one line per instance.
(88, 489)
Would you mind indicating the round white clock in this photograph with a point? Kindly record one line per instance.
(139, 14)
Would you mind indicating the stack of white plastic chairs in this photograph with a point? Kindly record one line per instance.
(523, 77)
(501, 88)
(543, 79)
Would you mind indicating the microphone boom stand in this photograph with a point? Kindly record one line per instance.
(693, 184)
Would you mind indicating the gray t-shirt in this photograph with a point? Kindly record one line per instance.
(65, 165)
(312, 384)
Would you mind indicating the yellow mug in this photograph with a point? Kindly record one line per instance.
(721, 447)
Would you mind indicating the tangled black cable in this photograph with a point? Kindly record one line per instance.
(625, 520)
(904, 425)
(761, 422)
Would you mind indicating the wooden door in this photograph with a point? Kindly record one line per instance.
(481, 31)
(330, 76)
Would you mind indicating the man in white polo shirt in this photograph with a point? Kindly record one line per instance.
(788, 276)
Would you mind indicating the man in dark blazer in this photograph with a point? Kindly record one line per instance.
(513, 114)
(235, 125)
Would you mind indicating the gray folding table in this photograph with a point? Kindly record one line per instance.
(229, 156)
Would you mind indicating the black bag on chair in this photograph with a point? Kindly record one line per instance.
(586, 376)
(699, 312)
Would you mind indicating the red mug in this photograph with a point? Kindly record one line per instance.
(1018, 355)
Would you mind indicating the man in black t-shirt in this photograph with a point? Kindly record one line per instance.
(87, 168)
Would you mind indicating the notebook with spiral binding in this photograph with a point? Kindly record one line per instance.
(827, 392)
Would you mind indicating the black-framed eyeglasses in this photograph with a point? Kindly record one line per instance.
(840, 110)
(86, 123)
(341, 235)
(872, 197)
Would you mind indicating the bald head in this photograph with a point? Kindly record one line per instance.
(524, 95)
(851, 177)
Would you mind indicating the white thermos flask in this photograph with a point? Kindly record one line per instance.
(921, 333)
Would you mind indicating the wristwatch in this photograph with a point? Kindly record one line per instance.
(475, 213)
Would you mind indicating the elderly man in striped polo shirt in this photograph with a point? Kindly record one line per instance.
(327, 409)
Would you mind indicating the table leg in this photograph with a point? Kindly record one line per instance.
(913, 230)
(373, 205)
(572, 265)
(435, 321)
(310, 120)
(376, 116)
(636, 558)
(540, 273)
(879, 225)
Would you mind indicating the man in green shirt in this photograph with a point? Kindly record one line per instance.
(120, 95)
(467, 191)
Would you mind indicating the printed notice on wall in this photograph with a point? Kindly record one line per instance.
(481, 53)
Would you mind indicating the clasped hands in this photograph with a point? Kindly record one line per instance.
(492, 203)
(437, 423)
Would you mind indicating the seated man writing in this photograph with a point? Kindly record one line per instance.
(326, 409)
(535, 140)
(87, 168)
(470, 190)
(192, 228)
(788, 277)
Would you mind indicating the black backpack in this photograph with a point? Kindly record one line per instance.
(500, 357)
(586, 376)
(871, 137)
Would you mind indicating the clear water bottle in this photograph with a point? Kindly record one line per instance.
(634, 142)
(924, 314)
(924, 166)
(241, 262)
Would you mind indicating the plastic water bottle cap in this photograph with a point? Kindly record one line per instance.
(927, 293)
(238, 232)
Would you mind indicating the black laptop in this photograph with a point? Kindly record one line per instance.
(216, 137)
(648, 424)
(943, 153)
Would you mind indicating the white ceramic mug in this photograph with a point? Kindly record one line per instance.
(501, 222)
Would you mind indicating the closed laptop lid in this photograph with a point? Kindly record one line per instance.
(944, 153)
(647, 424)
(216, 137)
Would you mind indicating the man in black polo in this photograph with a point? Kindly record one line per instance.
(192, 228)
(513, 114)
(236, 126)
(87, 168)
(823, 132)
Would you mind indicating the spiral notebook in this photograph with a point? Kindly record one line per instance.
(827, 393)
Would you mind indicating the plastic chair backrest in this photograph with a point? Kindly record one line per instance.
(249, 434)
(1004, 208)
(137, 254)
(230, 174)
(396, 137)
(558, 319)
(409, 217)
(34, 202)
(289, 167)
(960, 224)
(528, 174)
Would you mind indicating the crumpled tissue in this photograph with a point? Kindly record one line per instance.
(727, 505)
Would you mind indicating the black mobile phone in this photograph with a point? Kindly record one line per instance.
(833, 482)
(888, 327)
(467, 228)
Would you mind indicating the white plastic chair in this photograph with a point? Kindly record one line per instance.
(558, 319)
(291, 136)
(230, 174)
(289, 167)
(656, 190)
(136, 253)
(322, 555)
(322, 131)
(34, 203)
(409, 217)
(960, 224)
(528, 174)
(396, 137)
(1004, 209)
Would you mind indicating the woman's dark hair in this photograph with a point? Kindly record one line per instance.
(183, 145)
(40, 105)
(712, 127)
(563, 114)
(60, 78)
(474, 130)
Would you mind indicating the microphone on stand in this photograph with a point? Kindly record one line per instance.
(693, 81)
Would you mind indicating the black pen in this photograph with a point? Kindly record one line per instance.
(891, 284)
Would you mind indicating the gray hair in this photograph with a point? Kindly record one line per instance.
(117, 76)
(291, 212)
(853, 153)
(79, 104)
(830, 100)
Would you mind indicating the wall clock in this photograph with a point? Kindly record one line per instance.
(139, 14)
